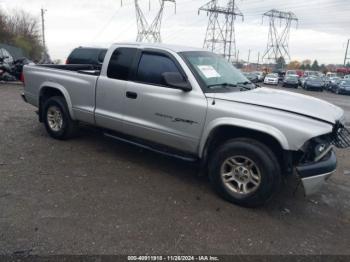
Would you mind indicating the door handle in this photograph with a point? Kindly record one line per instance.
(131, 95)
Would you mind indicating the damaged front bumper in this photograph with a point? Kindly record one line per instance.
(313, 175)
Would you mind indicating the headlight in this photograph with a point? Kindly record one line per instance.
(316, 148)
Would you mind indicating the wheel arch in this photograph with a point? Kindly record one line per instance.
(49, 89)
(223, 131)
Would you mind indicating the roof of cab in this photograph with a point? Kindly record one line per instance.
(174, 48)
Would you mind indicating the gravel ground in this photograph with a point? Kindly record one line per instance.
(92, 195)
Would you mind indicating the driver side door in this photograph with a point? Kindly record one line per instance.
(159, 113)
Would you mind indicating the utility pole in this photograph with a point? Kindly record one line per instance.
(45, 56)
(43, 11)
(220, 34)
(278, 38)
(347, 57)
(249, 55)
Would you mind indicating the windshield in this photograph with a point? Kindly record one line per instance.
(292, 77)
(213, 70)
(271, 75)
(345, 82)
(315, 79)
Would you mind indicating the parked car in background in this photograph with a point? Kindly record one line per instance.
(291, 72)
(291, 81)
(260, 75)
(271, 79)
(299, 73)
(251, 77)
(346, 77)
(332, 83)
(87, 56)
(314, 83)
(343, 87)
(330, 74)
(306, 75)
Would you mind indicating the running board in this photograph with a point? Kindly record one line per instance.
(184, 158)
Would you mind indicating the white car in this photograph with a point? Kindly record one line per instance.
(271, 79)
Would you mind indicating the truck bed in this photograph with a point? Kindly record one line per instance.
(77, 84)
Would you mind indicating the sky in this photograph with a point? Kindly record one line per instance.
(321, 33)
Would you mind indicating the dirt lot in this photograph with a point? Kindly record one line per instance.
(92, 195)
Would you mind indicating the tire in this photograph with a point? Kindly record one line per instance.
(56, 108)
(265, 166)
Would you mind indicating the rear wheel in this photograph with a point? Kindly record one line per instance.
(245, 172)
(57, 120)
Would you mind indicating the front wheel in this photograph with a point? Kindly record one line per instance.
(245, 172)
(57, 120)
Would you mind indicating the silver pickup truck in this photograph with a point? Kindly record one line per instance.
(192, 104)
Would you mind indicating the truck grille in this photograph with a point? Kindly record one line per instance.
(340, 137)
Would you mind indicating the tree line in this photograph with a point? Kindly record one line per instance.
(310, 65)
(22, 30)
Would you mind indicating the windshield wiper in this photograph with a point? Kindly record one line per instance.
(223, 85)
(243, 85)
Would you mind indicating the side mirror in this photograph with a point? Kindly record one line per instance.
(176, 80)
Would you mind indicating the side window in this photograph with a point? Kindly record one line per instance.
(101, 56)
(121, 62)
(152, 66)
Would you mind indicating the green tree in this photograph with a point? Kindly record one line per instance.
(22, 30)
(5, 35)
(315, 66)
(280, 63)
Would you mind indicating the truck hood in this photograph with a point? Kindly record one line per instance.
(285, 101)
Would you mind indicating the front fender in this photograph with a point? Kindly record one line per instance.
(63, 90)
(241, 123)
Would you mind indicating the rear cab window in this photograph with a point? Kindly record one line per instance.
(121, 63)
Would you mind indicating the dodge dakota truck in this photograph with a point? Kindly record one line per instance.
(192, 104)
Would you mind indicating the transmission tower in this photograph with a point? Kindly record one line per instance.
(220, 34)
(278, 38)
(149, 32)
